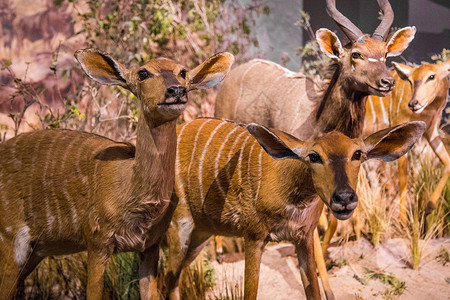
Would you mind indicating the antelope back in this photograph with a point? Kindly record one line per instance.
(218, 172)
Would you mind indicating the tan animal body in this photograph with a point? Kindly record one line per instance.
(419, 94)
(65, 191)
(266, 185)
(266, 93)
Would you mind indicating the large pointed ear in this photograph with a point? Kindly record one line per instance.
(400, 41)
(101, 67)
(329, 43)
(210, 72)
(391, 143)
(403, 71)
(272, 143)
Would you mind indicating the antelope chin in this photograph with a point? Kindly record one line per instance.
(343, 214)
(380, 92)
(173, 105)
(417, 109)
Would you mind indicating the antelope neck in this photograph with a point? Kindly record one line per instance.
(344, 109)
(153, 170)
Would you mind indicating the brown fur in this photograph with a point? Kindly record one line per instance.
(266, 93)
(414, 84)
(228, 185)
(65, 191)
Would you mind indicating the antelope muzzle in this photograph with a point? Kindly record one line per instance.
(343, 203)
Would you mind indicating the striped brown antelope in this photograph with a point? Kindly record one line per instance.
(64, 191)
(264, 92)
(420, 94)
(264, 185)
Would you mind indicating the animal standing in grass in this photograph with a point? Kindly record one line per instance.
(264, 92)
(64, 191)
(266, 185)
(419, 94)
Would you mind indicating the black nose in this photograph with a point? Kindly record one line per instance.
(344, 199)
(386, 82)
(176, 91)
(413, 103)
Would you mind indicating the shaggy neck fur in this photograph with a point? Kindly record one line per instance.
(342, 108)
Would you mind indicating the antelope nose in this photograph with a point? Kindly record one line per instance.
(413, 103)
(176, 91)
(344, 200)
(386, 82)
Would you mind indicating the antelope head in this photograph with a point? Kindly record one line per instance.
(334, 159)
(363, 59)
(428, 81)
(161, 85)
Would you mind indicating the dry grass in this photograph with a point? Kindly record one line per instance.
(375, 207)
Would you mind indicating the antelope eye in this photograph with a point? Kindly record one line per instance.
(356, 55)
(431, 77)
(357, 155)
(183, 74)
(144, 74)
(315, 158)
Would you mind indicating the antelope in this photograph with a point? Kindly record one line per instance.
(264, 92)
(420, 94)
(64, 191)
(264, 185)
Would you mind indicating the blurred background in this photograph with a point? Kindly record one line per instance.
(42, 86)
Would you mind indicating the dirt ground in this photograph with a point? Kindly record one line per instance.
(350, 277)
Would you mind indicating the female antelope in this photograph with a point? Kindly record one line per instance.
(64, 191)
(263, 185)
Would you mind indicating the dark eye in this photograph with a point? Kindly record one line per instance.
(183, 74)
(315, 158)
(144, 74)
(357, 155)
(356, 55)
(431, 77)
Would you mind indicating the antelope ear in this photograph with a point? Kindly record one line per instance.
(329, 43)
(402, 70)
(210, 72)
(101, 67)
(400, 41)
(271, 142)
(391, 143)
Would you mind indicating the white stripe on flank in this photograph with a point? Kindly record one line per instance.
(202, 157)
(374, 116)
(383, 111)
(49, 216)
(193, 151)
(230, 152)
(66, 194)
(178, 180)
(241, 154)
(216, 165)
(249, 177)
(22, 245)
(241, 89)
(55, 198)
(260, 173)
